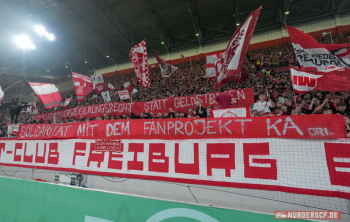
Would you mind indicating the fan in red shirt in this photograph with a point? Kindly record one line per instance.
(224, 99)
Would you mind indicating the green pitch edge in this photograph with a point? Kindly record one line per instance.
(31, 201)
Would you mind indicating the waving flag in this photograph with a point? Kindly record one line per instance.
(1, 94)
(138, 56)
(83, 86)
(166, 68)
(213, 65)
(315, 57)
(66, 103)
(47, 93)
(334, 81)
(128, 87)
(99, 83)
(110, 86)
(232, 59)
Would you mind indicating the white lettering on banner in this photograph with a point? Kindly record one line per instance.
(118, 128)
(242, 123)
(229, 162)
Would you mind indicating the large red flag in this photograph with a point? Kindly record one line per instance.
(83, 86)
(47, 93)
(316, 57)
(334, 81)
(138, 56)
(233, 58)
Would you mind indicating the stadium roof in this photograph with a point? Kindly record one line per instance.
(91, 30)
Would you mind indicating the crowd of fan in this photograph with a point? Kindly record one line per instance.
(189, 80)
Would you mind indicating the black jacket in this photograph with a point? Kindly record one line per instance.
(203, 110)
(139, 117)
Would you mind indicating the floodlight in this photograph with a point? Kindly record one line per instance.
(237, 24)
(197, 34)
(51, 37)
(107, 56)
(24, 41)
(287, 12)
(85, 61)
(40, 30)
(163, 43)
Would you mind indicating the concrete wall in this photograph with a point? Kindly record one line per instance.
(337, 24)
(233, 198)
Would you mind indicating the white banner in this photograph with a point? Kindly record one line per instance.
(97, 79)
(286, 165)
(124, 94)
(106, 97)
(230, 112)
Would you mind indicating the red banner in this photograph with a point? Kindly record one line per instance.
(244, 97)
(299, 127)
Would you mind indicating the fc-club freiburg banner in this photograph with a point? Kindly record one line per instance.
(244, 97)
(303, 166)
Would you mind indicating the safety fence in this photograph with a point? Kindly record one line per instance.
(295, 154)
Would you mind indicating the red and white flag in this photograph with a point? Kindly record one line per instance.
(99, 83)
(242, 76)
(110, 86)
(305, 81)
(83, 86)
(66, 103)
(232, 59)
(138, 56)
(1, 94)
(213, 65)
(124, 94)
(47, 93)
(316, 57)
(128, 86)
(166, 68)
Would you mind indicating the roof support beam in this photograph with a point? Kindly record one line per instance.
(194, 21)
(238, 22)
(112, 23)
(341, 6)
(286, 10)
(161, 34)
(90, 25)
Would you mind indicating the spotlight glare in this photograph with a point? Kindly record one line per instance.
(197, 34)
(66, 67)
(40, 30)
(286, 13)
(163, 43)
(48, 70)
(107, 56)
(51, 37)
(85, 61)
(237, 24)
(24, 42)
